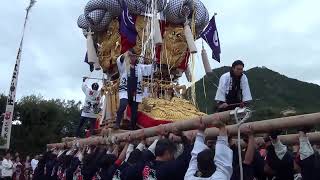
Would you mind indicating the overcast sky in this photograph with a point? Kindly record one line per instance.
(281, 35)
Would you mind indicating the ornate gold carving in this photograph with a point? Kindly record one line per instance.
(173, 51)
(175, 109)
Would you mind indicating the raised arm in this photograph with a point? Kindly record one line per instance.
(279, 148)
(305, 149)
(120, 63)
(223, 157)
(122, 155)
(129, 148)
(198, 146)
(84, 87)
(249, 156)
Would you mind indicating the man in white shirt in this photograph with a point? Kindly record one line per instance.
(203, 166)
(130, 87)
(7, 167)
(91, 106)
(233, 90)
(34, 162)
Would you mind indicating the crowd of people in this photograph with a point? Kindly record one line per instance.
(16, 168)
(174, 156)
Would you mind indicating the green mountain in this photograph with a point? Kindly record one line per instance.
(272, 92)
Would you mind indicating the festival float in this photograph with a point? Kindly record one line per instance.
(161, 32)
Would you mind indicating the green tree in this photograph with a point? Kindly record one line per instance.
(43, 121)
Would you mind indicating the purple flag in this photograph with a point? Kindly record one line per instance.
(127, 24)
(210, 35)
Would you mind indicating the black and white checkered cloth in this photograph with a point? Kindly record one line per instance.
(174, 10)
(136, 7)
(177, 11)
(82, 22)
(99, 13)
(201, 16)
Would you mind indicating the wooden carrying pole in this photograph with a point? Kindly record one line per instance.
(258, 127)
(184, 125)
(150, 132)
(289, 139)
(292, 139)
(272, 124)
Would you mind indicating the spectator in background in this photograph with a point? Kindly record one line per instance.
(16, 155)
(7, 167)
(34, 162)
(18, 169)
(27, 171)
(1, 159)
(27, 163)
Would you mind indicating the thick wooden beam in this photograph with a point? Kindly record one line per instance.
(184, 125)
(272, 124)
(150, 132)
(258, 127)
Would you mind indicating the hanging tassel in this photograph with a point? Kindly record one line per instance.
(97, 66)
(92, 54)
(188, 74)
(189, 38)
(157, 32)
(205, 61)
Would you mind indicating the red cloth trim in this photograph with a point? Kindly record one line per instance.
(118, 162)
(146, 121)
(125, 44)
(184, 62)
(88, 134)
(97, 126)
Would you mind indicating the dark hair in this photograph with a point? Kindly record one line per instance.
(135, 155)
(107, 160)
(274, 134)
(95, 86)
(237, 62)
(132, 51)
(164, 145)
(205, 162)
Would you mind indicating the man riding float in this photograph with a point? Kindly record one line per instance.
(130, 88)
(233, 90)
(91, 106)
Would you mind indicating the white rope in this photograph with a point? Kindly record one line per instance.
(239, 123)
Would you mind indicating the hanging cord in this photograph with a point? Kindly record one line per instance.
(239, 123)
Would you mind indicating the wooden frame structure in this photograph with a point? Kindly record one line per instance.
(214, 119)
